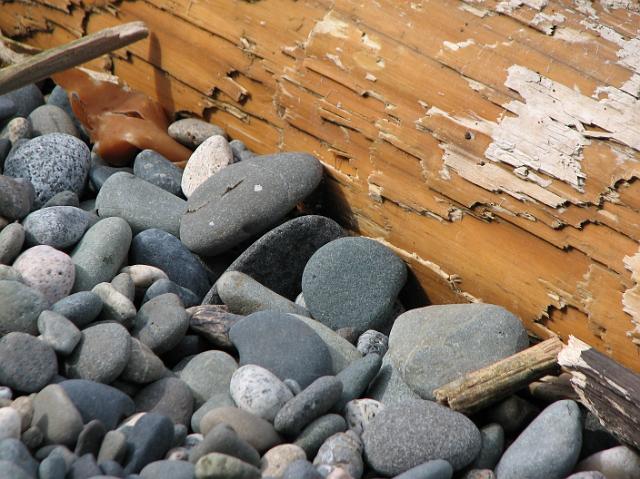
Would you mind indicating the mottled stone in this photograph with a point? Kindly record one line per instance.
(191, 132)
(17, 129)
(259, 391)
(221, 466)
(342, 450)
(276, 460)
(47, 270)
(360, 412)
(372, 341)
(57, 226)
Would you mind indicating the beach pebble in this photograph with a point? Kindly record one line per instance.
(115, 305)
(360, 412)
(64, 198)
(17, 196)
(21, 306)
(215, 465)
(561, 426)
(80, 308)
(588, 475)
(317, 431)
(11, 241)
(222, 399)
(157, 170)
(168, 396)
(90, 439)
(100, 253)
(342, 450)
(161, 323)
(56, 226)
(619, 462)
(14, 451)
(240, 151)
(8, 108)
(28, 364)
(436, 469)
(164, 286)
(223, 439)
(513, 414)
(17, 129)
(144, 275)
(283, 345)
(259, 391)
(208, 374)
(9, 423)
(249, 427)
(408, 434)
(53, 163)
(425, 344)
(276, 460)
(53, 467)
(148, 440)
(168, 470)
(142, 204)
(51, 119)
(47, 270)
(353, 282)
(211, 156)
(26, 99)
(372, 341)
(113, 447)
(144, 366)
(492, 447)
(356, 377)
(191, 132)
(245, 199)
(56, 416)
(101, 355)
(301, 469)
(58, 332)
(11, 470)
(123, 283)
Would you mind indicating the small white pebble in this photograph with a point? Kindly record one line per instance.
(257, 188)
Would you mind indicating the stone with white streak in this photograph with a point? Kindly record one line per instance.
(210, 157)
(259, 391)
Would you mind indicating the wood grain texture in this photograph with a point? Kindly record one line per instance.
(493, 144)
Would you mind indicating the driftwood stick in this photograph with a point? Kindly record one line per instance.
(490, 384)
(610, 391)
(44, 64)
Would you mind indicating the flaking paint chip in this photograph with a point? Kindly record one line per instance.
(257, 188)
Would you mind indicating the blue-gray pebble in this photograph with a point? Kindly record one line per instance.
(436, 469)
(26, 99)
(57, 226)
(163, 286)
(156, 169)
(80, 308)
(21, 306)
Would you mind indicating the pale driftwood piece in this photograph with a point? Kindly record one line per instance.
(213, 322)
(610, 391)
(490, 384)
(40, 66)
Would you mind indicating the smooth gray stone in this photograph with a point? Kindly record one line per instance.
(191, 132)
(84, 467)
(245, 199)
(101, 355)
(620, 462)
(319, 430)
(111, 469)
(301, 469)
(158, 248)
(492, 447)
(142, 204)
(56, 416)
(100, 172)
(208, 374)
(315, 400)
(161, 323)
(283, 344)
(7, 273)
(215, 465)
(5, 148)
(10, 470)
(356, 377)
(170, 397)
(513, 414)
(163, 286)
(28, 364)
(59, 97)
(353, 283)
(52, 119)
(80, 308)
(143, 366)
(8, 108)
(11, 241)
(434, 345)
(26, 99)
(244, 295)
(388, 387)
(406, 435)
(223, 439)
(156, 169)
(21, 306)
(14, 451)
(116, 307)
(101, 252)
(588, 475)
(218, 400)
(98, 401)
(90, 439)
(53, 467)
(53, 163)
(17, 196)
(123, 283)
(168, 470)
(560, 424)
(277, 259)
(64, 198)
(149, 440)
(436, 469)
(343, 450)
(113, 447)
(58, 332)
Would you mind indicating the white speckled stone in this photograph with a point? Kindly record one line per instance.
(48, 270)
(360, 412)
(17, 129)
(210, 157)
(259, 391)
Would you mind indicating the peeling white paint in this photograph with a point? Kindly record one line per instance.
(370, 77)
(335, 59)
(370, 42)
(586, 7)
(457, 46)
(508, 6)
(631, 297)
(571, 35)
(330, 25)
(547, 22)
(478, 12)
(632, 5)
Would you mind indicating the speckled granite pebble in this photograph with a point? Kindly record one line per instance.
(48, 270)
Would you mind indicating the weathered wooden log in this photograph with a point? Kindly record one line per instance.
(481, 388)
(610, 391)
(494, 145)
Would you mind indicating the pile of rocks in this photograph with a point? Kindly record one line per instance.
(160, 323)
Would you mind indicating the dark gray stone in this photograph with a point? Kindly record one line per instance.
(223, 439)
(58, 332)
(143, 366)
(53, 163)
(406, 435)
(80, 308)
(5, 148)
(318, 431)
(101, 355)
(84, 467)
(301, 469)
(191, 132)
(353, 282)
(277, 259)
(163, 286)
(492, 447)
(56, 226)
(157, 248)
(245, 199)
(315, 400)
(101, 171)
(161, 323)
(157, 170)
(434, 345)
(148, 441)
(21, 306)
(436, 469)
(90, 439)
(52, 119)
(168, 470)
(14, 451)
(8, 108)
(208, 374)
(100, 253)
(282, 344)
(28, 364)
(26, 99)
(64, 198)
(513, 414)
(170, 397)
(17, 196)
(595, 437)
(11, 242)
(112, 469)
(56, 416)
(356, 377)
(560, 424)
(142, 204)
